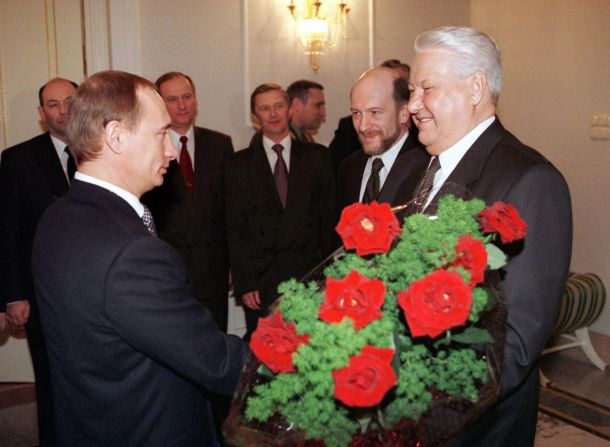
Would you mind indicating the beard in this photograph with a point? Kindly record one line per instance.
(379, 146)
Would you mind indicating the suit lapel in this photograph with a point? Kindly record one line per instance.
(45, 157)
(353, 182)
(262, 176)
(202, 161)
(470, 167)
(398, 173)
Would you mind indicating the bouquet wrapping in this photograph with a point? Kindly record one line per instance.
(396, 339)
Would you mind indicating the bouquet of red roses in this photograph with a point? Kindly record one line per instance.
(399, 344)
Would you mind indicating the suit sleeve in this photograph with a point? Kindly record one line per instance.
(150, 303)
(535, 278)
(239, 233)
(13, 259)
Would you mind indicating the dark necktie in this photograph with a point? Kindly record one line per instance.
(280, 173)
(371, 191)
(148, 220)
(420, 196)
(186, 165)
(71, 164)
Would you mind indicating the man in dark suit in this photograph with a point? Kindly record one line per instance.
(307, 109)
(132, 351)
(189, 207)
(455, 84)
(346, 141)
(32, 175)
(380, 116)
(280, 206)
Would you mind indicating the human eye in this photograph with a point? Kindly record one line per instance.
(171, 99)
(356, 113)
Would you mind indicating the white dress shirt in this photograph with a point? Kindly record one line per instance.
(272, 155)
(122, 193)
(388, 158)
(60, 147)
(450, 158)
(190, 143)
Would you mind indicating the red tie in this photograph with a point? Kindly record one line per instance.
(186, 165)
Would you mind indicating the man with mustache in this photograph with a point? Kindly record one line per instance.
(381, 119)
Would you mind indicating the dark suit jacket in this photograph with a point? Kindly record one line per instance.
(345, 142)
(31, 177)
(500, 167)
(268, 244)
(351, 170)
(195, 225)
(131, 348)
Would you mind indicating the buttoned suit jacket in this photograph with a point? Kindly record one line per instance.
(498, 167)
(351, 170)
(132, 351)
(31, 178)
(195, 225)
(269, 244)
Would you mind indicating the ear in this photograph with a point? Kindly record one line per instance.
(403, 114)
(41, 114)
(114, 137)
(477, 84)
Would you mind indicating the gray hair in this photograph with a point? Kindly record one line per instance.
(474, 51)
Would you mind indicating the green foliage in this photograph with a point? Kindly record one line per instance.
(459, 373)
(306, 397)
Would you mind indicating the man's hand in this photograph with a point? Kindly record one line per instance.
(17, 313)
(2, 321)
(252, 300)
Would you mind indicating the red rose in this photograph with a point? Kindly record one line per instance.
(470, 254)
(274, 342)
(367, 378)
(355, 297)
(435, 303)
(368, 228)
(503, 219)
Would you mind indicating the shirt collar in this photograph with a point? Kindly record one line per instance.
(452, 156)
(268, 143)
(122, 193)
(389, 156)
(175, 137)
(58, 144)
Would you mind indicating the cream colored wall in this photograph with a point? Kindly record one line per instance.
(556, 56)
(39, 40)
(230, 50)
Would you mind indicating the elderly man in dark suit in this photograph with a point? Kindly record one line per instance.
(455, 85)
(132, 351)
(381, 119)
(280, 206)
(32, 175)
(189, 207)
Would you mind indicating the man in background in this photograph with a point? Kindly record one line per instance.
(33, 174)
(132, 350)
(455, 85)
(189, 208)
(307, 109)
(280, 206)
(346, 139)
(381, 119)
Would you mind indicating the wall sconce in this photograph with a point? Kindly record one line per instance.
(317, 32)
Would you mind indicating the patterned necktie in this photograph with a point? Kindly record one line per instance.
(71, 164)
(280, 173)
(371, 191)
(148, 220)
(186, 165)
(420, 196)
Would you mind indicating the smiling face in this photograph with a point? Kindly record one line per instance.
(147, 148)
(54, 108)
(378, 120)
(181, 102)
(271, 111)
(441, 104)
